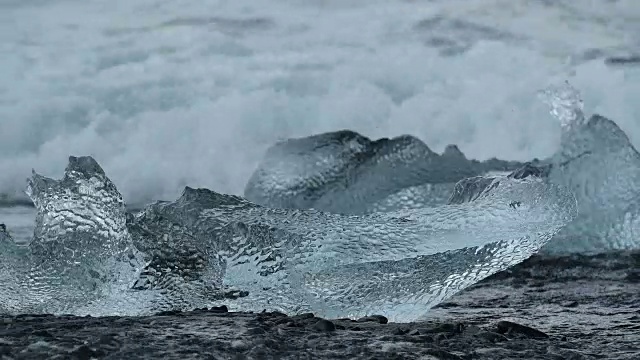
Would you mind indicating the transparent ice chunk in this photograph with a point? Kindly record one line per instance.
(81, 251)
(345, 172)
(598, 163)
(10, 266)
(470, 189)
(184, 263)
(414, 197)
(295, 173)
(565, 104)
(207, 248)
(342, 265)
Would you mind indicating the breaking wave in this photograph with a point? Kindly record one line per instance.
(197, 92)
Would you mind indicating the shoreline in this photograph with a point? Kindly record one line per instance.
(567, 307)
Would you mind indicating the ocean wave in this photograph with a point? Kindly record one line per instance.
(198, 92)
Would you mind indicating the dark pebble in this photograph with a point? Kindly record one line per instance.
(445, 328)
(633, 276)
(169, 313)
(492, 336)
(441, 354)
(447, 305)
(219, 309)
(29, 317)
(42, 333)
(346, 319)
(324, 325)
(374, 318)
(400, 331)
(508, 327)
(5, 351)
(438, 338)
(257, 352)
(235, 294)
(278, 314)
(425, 339)
(303, 316)
(283, 321)
(109, 341)
(84, 352)
(256, 331)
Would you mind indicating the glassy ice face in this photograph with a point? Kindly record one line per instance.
(207, 248)
(81, 252)
(596, 161)
(345, 172)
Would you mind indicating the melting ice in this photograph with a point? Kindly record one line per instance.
(345, 172)
(596, 161)
(89, 256)
(599, 164)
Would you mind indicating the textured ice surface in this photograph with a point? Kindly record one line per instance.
(81, 252)
(470, 189)
(596, 160)
(345, 172)
(414, 197)
(185, 255)
(565, 104)
(206, 248)
(9, 266)
(599, 164)
(397, 263)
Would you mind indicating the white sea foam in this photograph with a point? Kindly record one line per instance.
(171, 93)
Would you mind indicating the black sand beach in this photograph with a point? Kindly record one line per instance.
(573, 307)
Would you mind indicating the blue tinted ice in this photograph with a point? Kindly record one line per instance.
(345, 172)
(414, 197)
(599, 164)
(205, 248)
(81, 252)
(398, 263)
(596, 161)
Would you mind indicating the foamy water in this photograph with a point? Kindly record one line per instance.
(172, 93)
